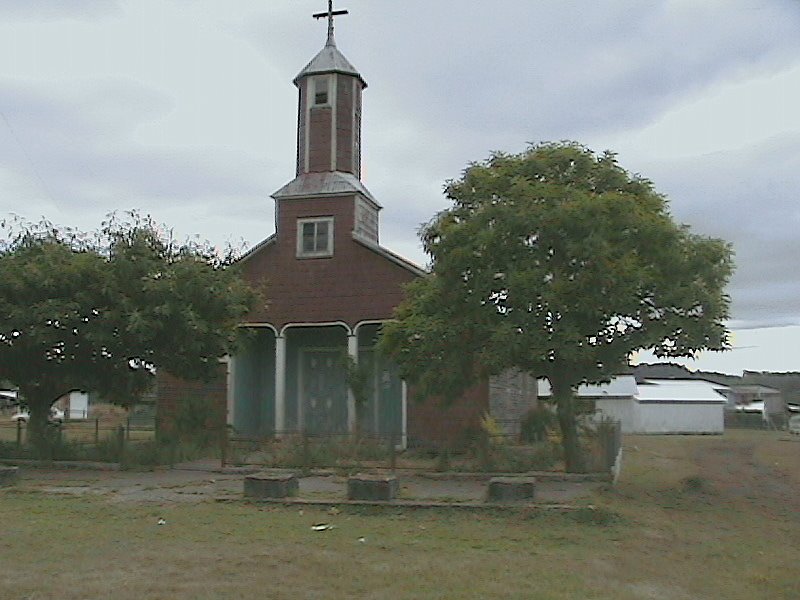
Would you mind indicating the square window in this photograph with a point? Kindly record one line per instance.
(315, 237)
(320, 90)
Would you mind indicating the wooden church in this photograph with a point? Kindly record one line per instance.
(330, 286)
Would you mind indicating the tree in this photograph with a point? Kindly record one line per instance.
(558, 262)
(102, 312)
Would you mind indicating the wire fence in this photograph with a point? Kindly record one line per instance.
(89, 439)
(476, 451)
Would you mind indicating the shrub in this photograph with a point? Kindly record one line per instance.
(536, 423)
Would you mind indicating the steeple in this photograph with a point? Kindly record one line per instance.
(329, 15)
(327, 194)
(329, 109)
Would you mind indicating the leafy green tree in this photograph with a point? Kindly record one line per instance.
(559, 262)
(102, 312)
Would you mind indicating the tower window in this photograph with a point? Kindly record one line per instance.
(320, 90)
(315, 237)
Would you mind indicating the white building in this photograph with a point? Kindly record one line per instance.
(667, 406)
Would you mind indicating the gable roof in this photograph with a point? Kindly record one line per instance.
(262, 244)
(391, 256)
(680, 390)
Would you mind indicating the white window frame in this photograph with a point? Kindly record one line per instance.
(317, 253)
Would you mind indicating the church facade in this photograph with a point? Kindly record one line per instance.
(329, 286)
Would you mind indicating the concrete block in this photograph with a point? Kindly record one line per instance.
(269, 484)
(511, 489)
(379, 488)
(8, 475)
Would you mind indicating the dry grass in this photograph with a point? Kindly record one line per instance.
(692, 517)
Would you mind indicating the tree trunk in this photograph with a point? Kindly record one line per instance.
(564, 395)
(38, 422)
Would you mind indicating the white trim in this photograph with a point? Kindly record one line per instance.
(328, 251)
(370, 322)
(280, 384)
(262, 244)
(334, 87)
(352, 352)
(354, 134)
(404, 407)
(307, 128)
(259, 326)
(230, 397)
(391, 256)
(320, 324)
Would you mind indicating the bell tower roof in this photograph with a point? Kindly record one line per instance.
(329, 60)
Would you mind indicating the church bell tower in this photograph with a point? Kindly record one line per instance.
(329, 110)
(328, 163)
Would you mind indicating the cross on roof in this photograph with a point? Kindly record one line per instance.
(330, 14)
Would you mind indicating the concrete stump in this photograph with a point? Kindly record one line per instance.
(511, 489)
(8, 475)
(377, 488)
(271, 485)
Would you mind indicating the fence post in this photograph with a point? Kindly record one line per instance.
(121, 444)
(19, 433)
(97, 431)
(128, 429)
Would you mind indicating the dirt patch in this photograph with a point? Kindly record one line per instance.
(194, 485)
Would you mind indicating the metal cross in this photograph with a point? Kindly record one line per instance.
(330, 14)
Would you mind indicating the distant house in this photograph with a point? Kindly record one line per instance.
(665, 406)
(757, 401)
(76, 404)
(8, 398)
(741, 397)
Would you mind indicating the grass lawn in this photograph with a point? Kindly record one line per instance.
(692, 517)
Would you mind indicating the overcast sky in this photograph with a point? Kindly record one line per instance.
(185, 109)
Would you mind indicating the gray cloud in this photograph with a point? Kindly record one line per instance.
(52, 10)
(449, 82)
(750, 198)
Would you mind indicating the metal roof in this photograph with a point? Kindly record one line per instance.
(329, 60)
(326, 183)
(684, 390)
(650, 390)
(621, 386)
(754, 389)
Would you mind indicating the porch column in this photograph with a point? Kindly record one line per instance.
(404, 408)
(352, 352)
(280, 385)
(231, 395)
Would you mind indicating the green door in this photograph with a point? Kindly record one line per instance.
(323, 391)
(383, 415)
